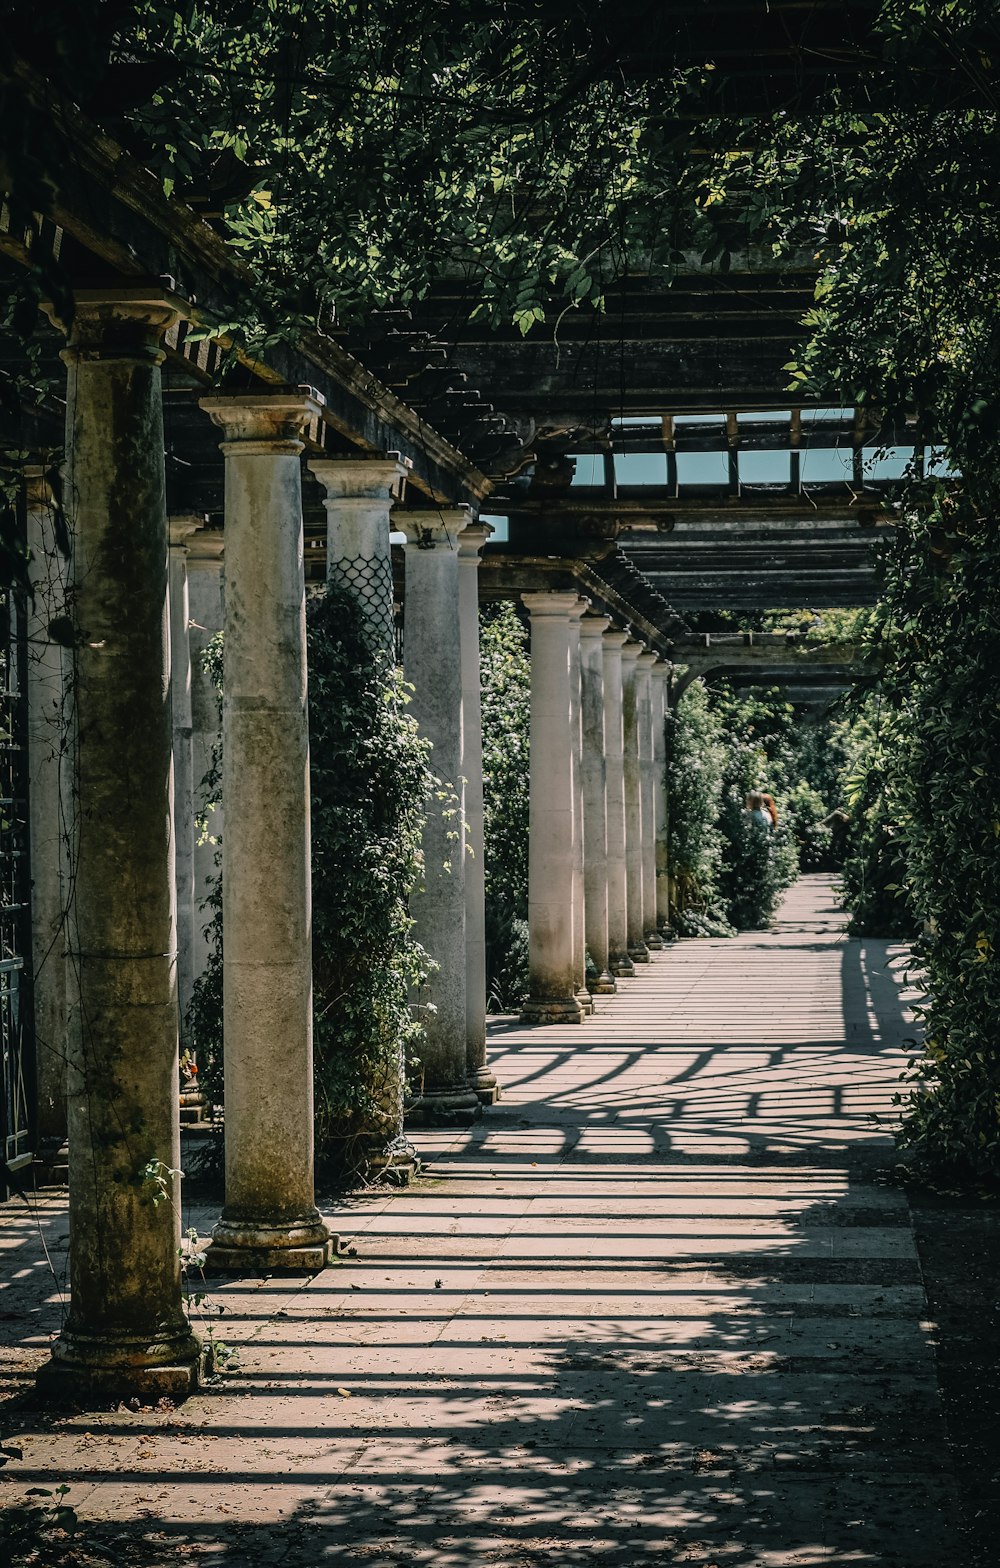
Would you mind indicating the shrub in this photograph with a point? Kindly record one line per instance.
(369, 779)
(506, 699)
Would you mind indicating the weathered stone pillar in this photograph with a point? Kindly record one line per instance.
(470, 545)
(205, 610)
(270, 1220)
(637, 949)
(595, 812)
(660, 678)
(50, 814)
(551, 850)
(644, 670)
(126, 1332)
(181, 530)
(583, 996)
(432, 660)
(619, 962)
(359, 496)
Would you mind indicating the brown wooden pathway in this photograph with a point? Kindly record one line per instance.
(657, 1308)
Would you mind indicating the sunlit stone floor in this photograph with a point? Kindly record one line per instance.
(656, 1308)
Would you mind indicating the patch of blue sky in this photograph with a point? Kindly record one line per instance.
(816, 416)
(641, 468)
(765, 468)
(500, 526)
(822, 464)
(759, 417)
(702, 468)
(589, 468)
(890, 463)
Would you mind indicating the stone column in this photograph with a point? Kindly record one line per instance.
(470, 544)
(126, 1333)
(595, 813)
(204, 581)
(660, 678)
(644, 671)
(551, 852)
(619, 962)
(49, 812)
(637, 949)
(181, 530)
(359, 496)
(432, 660)
(583, 996)
(270, 1221)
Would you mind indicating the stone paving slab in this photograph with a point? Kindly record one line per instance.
(657, 1308)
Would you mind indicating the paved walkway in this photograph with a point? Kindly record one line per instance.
(656, 1309)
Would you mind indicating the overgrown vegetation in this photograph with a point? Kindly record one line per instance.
(506, 697)
(370, 780)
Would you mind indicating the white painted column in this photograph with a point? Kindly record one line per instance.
(595, 811)
(637, 949)
(583, 996)
(181, 530)
(619, 962)
(126, 1333)
(660, 680)
(50, 815)
(551, 849)
(432, 661)
(205, 618)
(359, 496)
(470, 545)
(270, 1220)
(644, 671)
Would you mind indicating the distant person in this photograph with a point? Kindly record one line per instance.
(756, 810)
(770, 807)
(839, 823)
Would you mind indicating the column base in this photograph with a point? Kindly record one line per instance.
(485, 1086)
(242, 1247)
(86, 1369)
(604, 985)
(586, 1002)
(639, 954)
(445, 1108)
(50, 1166)
(552, 1010)
(194, 1107)
(654, 941)
(622, 967)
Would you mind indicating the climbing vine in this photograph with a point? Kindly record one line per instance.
(369, 780)
(506, 698)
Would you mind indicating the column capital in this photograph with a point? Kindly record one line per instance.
(125, 323)
(264, 421)
(471, 540)
(556, 603)
(648, 658)
(579, 609)
(615, 638)
(631, 651)
(433, 529)
(593, 627)
(362, 479)
(183, 526)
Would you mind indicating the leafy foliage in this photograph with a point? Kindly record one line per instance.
(506, 699)
(369, 781)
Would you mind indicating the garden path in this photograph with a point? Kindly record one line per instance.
(658, 1307)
